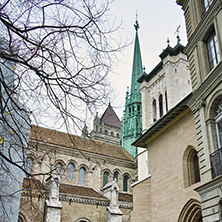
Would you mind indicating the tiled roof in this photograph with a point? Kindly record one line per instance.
(78, 143)
(79, 191)
(32, 184)
(125, 197)
(110, 118)
(74, 190)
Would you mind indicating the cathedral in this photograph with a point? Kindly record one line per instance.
(168, 166)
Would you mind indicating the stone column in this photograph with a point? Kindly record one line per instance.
(111, 190)
(53, 205)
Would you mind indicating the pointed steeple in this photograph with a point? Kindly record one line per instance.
(131, 125)
(137, 70)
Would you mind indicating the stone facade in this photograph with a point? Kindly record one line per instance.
(165, 192)
(166, 85)
(81, 186)
(168, 169)
(204, 49)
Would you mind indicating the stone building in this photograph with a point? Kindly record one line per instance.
(131, 125)
(204, 50)
(107, 127)
(168, 169)
(85, 167)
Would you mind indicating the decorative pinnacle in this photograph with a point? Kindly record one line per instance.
(168, 41)
(136, 25)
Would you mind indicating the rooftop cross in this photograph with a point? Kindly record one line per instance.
(136, 25)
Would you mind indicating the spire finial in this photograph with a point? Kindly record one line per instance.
(177, 33)
(168, 41)
(136, 25)
(144, 68)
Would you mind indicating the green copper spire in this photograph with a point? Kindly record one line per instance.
(137, 65)
(131, 125)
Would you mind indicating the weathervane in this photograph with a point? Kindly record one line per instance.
(177, 33)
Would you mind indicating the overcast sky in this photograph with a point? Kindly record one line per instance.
(158, 20)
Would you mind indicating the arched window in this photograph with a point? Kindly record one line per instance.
(105, 178)
(161, 105)
(116, 176)
(70, 171)
(106, 132)
(218, 121)
(82, 176)
(191, 167)
(117, 135)
(196, 169)
(125, 183)
(166, 101)
(58, 168)
(154, 111)
(21, 218)
(111, 134)
(29, 165)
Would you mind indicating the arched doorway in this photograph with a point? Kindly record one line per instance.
(191, 212)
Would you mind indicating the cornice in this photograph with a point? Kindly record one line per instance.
(79, 199)
(209, 186)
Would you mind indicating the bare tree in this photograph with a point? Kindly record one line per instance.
(55, 56)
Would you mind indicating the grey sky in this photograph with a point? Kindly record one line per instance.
(158, 20)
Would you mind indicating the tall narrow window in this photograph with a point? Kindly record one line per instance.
(70, 171)
(218, 121)
(213, 50)
(116, 176)
(154, 110)
(29, 165)
(58, 168)
(138, 109)
(196, 169)
(105, 178)
(82, 176)
(125, 183)
(166, 101)
(161, 105)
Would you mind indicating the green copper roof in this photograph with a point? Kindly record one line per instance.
(131, 125)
